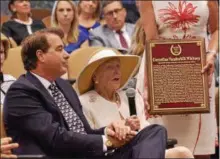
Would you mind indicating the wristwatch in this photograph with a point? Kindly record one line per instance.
(108, 143)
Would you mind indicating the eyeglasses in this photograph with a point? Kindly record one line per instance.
(111, 13)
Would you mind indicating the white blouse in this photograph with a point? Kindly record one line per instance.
(8, 80)
(101, 112)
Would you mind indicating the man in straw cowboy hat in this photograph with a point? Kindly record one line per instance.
(44, 115)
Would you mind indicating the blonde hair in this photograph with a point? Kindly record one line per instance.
(97, 13)
(73, 34)
(138, 39)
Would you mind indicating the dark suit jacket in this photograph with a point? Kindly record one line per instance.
(34, 121)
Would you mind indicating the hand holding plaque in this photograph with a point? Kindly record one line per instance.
(175, 82)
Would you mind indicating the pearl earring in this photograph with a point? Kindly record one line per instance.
(96, 82)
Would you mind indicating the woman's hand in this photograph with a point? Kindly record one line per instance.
(133, 122)
(6, 148)
(209, 67)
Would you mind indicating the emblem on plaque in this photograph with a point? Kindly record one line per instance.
(175, 50)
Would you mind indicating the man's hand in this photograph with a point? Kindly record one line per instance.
(119, 143)
(6, 148)
(118, 130)
(133, 122)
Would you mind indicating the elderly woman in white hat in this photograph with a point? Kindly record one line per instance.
(100, 87)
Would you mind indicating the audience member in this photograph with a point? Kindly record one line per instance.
(43, 113)
(21, 24)
(166, 19)
(6, 147)
(5, 79)
(115, 33)
(89, 15)
(65, 16)
(102, 99)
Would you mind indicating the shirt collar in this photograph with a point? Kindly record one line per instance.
(44, 81)
(123, 29)
(30, 21)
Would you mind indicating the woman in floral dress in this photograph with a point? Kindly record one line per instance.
(185, 20)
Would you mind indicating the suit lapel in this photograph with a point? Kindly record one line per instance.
(111, 38)
(129, 29)
(41, 89)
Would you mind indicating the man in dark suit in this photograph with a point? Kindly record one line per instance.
(43, 113)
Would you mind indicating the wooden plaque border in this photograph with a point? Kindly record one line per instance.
(204, 108)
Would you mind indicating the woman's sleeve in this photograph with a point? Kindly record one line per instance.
(6, 30)
(87, 112)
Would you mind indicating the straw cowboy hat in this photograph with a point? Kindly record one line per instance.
(129, 64)
(6, 44)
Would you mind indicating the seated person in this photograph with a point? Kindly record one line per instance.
(5, 79)
(43, 113)
(103, 101)
(6, 147)
(115, 33)
(65, 16)
(21, 24)
(89, 15)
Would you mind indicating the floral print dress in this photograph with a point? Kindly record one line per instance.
(181, 20)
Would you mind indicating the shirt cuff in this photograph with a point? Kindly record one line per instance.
(104, 141)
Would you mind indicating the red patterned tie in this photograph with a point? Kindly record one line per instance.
(124, 44)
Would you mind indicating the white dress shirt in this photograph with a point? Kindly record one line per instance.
(8, 80)
(125, 34)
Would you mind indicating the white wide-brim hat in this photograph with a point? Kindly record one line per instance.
(129, 64)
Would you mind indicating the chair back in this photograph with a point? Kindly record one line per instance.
(4, 18)
(13, 65)
(39, 14)
(47, 21)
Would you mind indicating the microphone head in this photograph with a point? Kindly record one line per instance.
(130, 92)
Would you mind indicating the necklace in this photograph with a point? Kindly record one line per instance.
(117, 99)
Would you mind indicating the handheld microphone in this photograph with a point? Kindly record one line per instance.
(130, 92)
(1, 77)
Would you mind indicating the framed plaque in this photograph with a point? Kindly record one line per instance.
(175, 82)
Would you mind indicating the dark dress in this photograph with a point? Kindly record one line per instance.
(73, 46)
(19, 31)
(86, 30)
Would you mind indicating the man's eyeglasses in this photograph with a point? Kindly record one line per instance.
(110, 13)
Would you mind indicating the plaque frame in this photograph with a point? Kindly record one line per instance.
(154, 109)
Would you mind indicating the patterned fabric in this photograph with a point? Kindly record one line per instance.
(177, 20)
(72, 119)
(124, 44)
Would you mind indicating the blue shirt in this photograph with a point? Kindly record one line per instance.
(73, 46)
(86, 30)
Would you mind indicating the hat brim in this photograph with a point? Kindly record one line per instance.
(129, 64)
